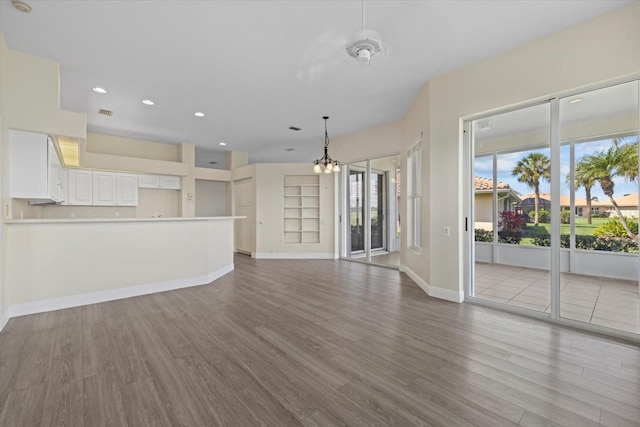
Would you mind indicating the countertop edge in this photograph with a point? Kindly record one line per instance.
(115, 220)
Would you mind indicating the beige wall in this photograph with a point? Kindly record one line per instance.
(119, 146)
(211, 198)
(4, 149)
(156, 255)
(270, 211)
(598, 51)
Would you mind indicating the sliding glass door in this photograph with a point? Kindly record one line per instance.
(552, 194)
(512, 201)
(371, 233)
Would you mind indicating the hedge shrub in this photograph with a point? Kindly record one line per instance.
(483, 235)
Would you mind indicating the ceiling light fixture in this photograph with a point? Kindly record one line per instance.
(198, 114)
(576, 100)
(364, 44)
(329, 164)
(21, 6)
(148, 102)
(222, 143)
(99, 90)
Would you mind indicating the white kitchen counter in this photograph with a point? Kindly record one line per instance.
(102, 220)
(59, 263)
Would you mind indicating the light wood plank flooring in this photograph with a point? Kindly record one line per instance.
(314, 343)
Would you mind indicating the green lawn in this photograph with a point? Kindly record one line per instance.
(582, 228)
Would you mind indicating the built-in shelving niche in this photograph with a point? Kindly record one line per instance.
(302, 209)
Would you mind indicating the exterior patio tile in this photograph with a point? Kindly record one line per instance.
(577, 309)
(497, 293)
(632, 318)
(628, 307)
(576, 316)
(542, 302)
(608, 302)
(537, 307)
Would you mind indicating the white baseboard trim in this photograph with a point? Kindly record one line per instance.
(433, 291)
(3, 320)
(112, 294)
(293, 255)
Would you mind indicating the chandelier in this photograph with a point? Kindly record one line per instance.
(329, 164)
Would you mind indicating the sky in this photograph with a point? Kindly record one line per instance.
(506, 163)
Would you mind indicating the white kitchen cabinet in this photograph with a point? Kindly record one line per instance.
(104, 188)
(170, 182)
(34, 168)
(165, 182)
(148, 181)
(80, 188)
(126, 189)
(115, 189)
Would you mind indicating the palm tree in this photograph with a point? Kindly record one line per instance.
(617, 160)
(584, 179)
(629, 165)
(530, 170)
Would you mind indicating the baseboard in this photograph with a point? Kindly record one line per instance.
(433, 291)
(3, 320)
(112, 294)
(293, 255)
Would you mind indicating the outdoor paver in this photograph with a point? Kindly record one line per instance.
(606, 302)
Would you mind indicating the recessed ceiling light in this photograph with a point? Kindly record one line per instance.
(98, 89)
(198, 114)
(147, 102)
(222, 143)
(21, 6)
(576, 100)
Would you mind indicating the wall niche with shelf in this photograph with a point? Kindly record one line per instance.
(301, 209)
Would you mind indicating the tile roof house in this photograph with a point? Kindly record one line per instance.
(483, 187)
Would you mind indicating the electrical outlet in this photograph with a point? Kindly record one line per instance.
(72, 214)
(116, 214)
(447, 230)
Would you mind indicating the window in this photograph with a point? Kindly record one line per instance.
(414, 178)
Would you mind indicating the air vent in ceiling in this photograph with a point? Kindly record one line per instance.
(105, 112)
(294, 128)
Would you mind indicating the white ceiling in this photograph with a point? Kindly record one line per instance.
(257, 67)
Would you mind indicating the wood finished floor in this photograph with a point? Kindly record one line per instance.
(314, 343)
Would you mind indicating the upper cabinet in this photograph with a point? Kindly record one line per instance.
(34, 168)
(80, 188)
(104, 188)
(100, 188)
(166, 182)
(126, 189)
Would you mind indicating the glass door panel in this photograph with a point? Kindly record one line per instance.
(512, 208)
(599, 207)
(356, 210)
(372, 195)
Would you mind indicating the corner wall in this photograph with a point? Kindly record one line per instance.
(595, 52)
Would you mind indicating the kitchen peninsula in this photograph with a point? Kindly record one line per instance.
(60, 263)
